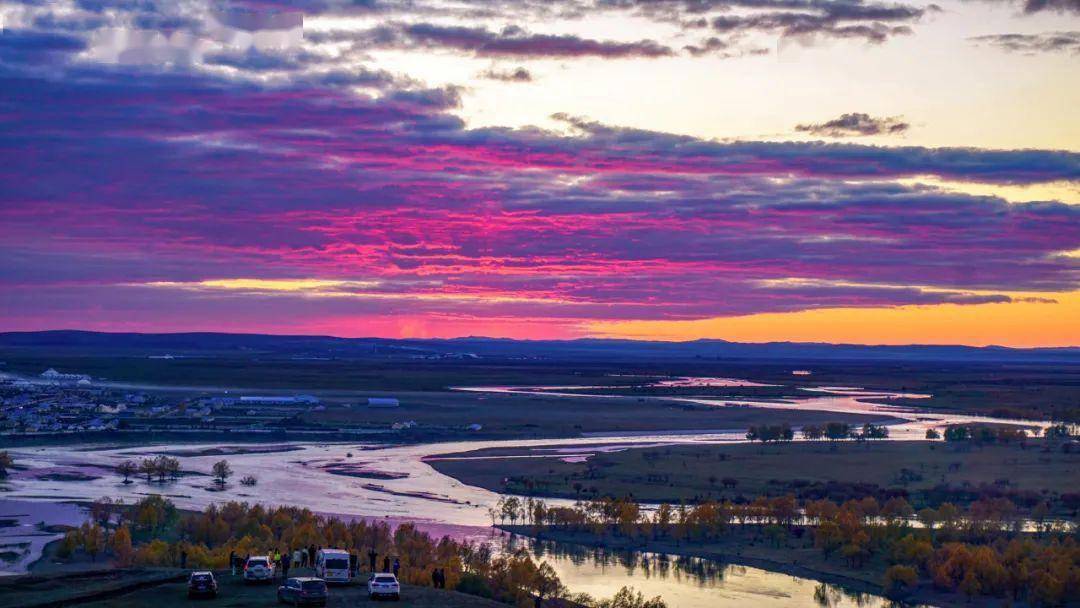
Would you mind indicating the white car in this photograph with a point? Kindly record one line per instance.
(332, 565)
(383, 585)
(258, 569)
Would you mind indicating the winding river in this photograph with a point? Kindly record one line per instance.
(393, 482)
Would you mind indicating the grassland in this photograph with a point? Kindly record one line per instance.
(1023, 390)
(166, 588)
(1016, 390)
(928, 473)
(550, 416)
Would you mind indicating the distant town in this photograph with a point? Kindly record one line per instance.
(55, 403)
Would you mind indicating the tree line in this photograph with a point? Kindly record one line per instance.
(153, 532)
(985, 550)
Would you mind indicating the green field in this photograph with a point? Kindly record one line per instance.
(805, 469)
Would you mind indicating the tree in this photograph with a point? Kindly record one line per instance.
(120, 545)
(511, 507)
(545, 582)
(932, 434)
(6, 462)
(249, 480)
(93, 540)
(899, 581)
(171, 467)
(812, 432)
(875, 431)
(1057, 431)
(147, 467)
(221, 472)
(101, 510)
(957, 433)
(628, 598)
(835, 431)
(127, 469)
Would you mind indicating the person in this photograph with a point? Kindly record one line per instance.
(285, 565)
(311, 555)
(397, 565)
(296, 559)
(183, 560)
(371, 554)
(435, 578)
(386, 564)
(352, 563)
(442, 578)
(232, 562)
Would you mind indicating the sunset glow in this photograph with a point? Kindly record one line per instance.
(856, 172)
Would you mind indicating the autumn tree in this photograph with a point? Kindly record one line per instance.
(93, 539)
(899, 581)
(120, 545)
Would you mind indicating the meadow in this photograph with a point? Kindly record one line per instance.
(926, 473)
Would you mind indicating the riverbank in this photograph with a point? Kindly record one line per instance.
(928, 473)
(797, 558)
(167, 588)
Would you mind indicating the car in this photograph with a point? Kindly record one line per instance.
(332, 565)
(202, 584)
(383, 585)
(258, 569)
(302, 591)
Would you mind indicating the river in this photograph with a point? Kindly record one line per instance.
(399, 486)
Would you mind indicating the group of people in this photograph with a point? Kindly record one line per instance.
(438, 578)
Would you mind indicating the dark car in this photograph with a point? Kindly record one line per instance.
(202, 584)
(303, 590)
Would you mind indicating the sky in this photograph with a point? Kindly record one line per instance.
(855, 171)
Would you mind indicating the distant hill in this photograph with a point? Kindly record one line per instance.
(569, 350)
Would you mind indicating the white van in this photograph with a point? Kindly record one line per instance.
(332, 565)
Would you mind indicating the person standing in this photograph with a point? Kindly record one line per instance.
(232, 562)
(285, 562)
(372, 555)
(386, 564)
(397, 565)
(435, 578)
(353, 559)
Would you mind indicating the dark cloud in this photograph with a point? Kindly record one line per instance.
(512, 41)
(30, 48)
(856, 124)
(1030, 44)
(828, 23)
(1036, 6)
(515, 75)
(253, 59)
(717, 47)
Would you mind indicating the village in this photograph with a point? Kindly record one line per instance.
(58, 403)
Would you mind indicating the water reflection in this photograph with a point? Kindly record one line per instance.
(686, 582)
